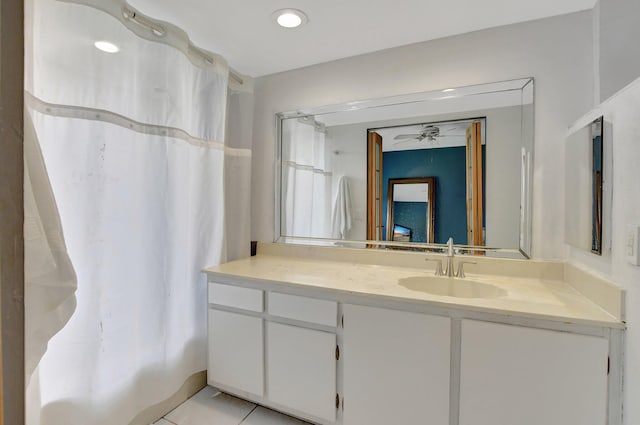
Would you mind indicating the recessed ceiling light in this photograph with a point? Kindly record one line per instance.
(448, 90)
(106, 46)
(290, 18)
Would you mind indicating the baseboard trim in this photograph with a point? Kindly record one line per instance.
(192, 385)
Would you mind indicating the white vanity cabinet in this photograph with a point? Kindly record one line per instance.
(301, 359)
(276, 349)
(396, 367)
(351, 360)
(301, 369)
(235, 345)
(517, 375)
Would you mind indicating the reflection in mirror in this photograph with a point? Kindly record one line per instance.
(306, 179)
(596, 186)
(585, 187)
(335, 164)
(410, 209)
(526, 167)
(451, 152)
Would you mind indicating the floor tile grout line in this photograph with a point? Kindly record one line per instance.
(173, 410)
(248, 414)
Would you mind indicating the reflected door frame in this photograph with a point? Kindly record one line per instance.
(474, 184)
(374, 186)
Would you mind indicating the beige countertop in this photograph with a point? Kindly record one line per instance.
(530, 297)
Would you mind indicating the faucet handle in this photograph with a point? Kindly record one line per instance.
(461, 264)
(438, 265)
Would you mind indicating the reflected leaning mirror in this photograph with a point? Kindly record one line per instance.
(336, 166)
(410, 207)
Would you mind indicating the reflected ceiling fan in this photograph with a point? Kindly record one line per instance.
(429, 132)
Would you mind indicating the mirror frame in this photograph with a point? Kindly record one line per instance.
(431, 196)
(524, 249)
(597, 170)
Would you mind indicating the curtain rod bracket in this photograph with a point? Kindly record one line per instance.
(236, 77)
(143, 21)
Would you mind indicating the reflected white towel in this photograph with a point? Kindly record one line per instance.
(341, 210)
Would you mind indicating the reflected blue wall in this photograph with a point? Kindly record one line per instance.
(412, 215)
(447, 165)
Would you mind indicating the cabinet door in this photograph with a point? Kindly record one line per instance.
(236, 351)
(396, 367)
(524, 376)
(301, 369)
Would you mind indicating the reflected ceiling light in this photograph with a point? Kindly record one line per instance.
(448, 90)
(290, 18)
(106, 46)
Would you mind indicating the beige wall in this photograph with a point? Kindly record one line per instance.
(11, 212)
(621, 113)
(618, 50)
(557, 52)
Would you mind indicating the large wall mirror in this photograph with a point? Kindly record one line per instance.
(461, 159)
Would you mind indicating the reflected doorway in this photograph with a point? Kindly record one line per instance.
(452, 154)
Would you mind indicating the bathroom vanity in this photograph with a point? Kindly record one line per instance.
(346, 336)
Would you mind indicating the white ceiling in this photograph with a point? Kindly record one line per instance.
(244, 32)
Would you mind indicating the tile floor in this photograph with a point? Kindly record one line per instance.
(211, 407)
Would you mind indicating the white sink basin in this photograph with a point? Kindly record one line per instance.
(452, 287)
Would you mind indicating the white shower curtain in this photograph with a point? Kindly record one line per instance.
(136, 153)
(306, 179)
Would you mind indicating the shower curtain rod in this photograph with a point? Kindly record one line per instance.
(170, 34)
(159, 31)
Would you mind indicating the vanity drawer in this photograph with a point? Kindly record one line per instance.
(321, 312)
(236, 296)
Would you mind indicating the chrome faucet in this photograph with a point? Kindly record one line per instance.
(448, 271)
(449, 267)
